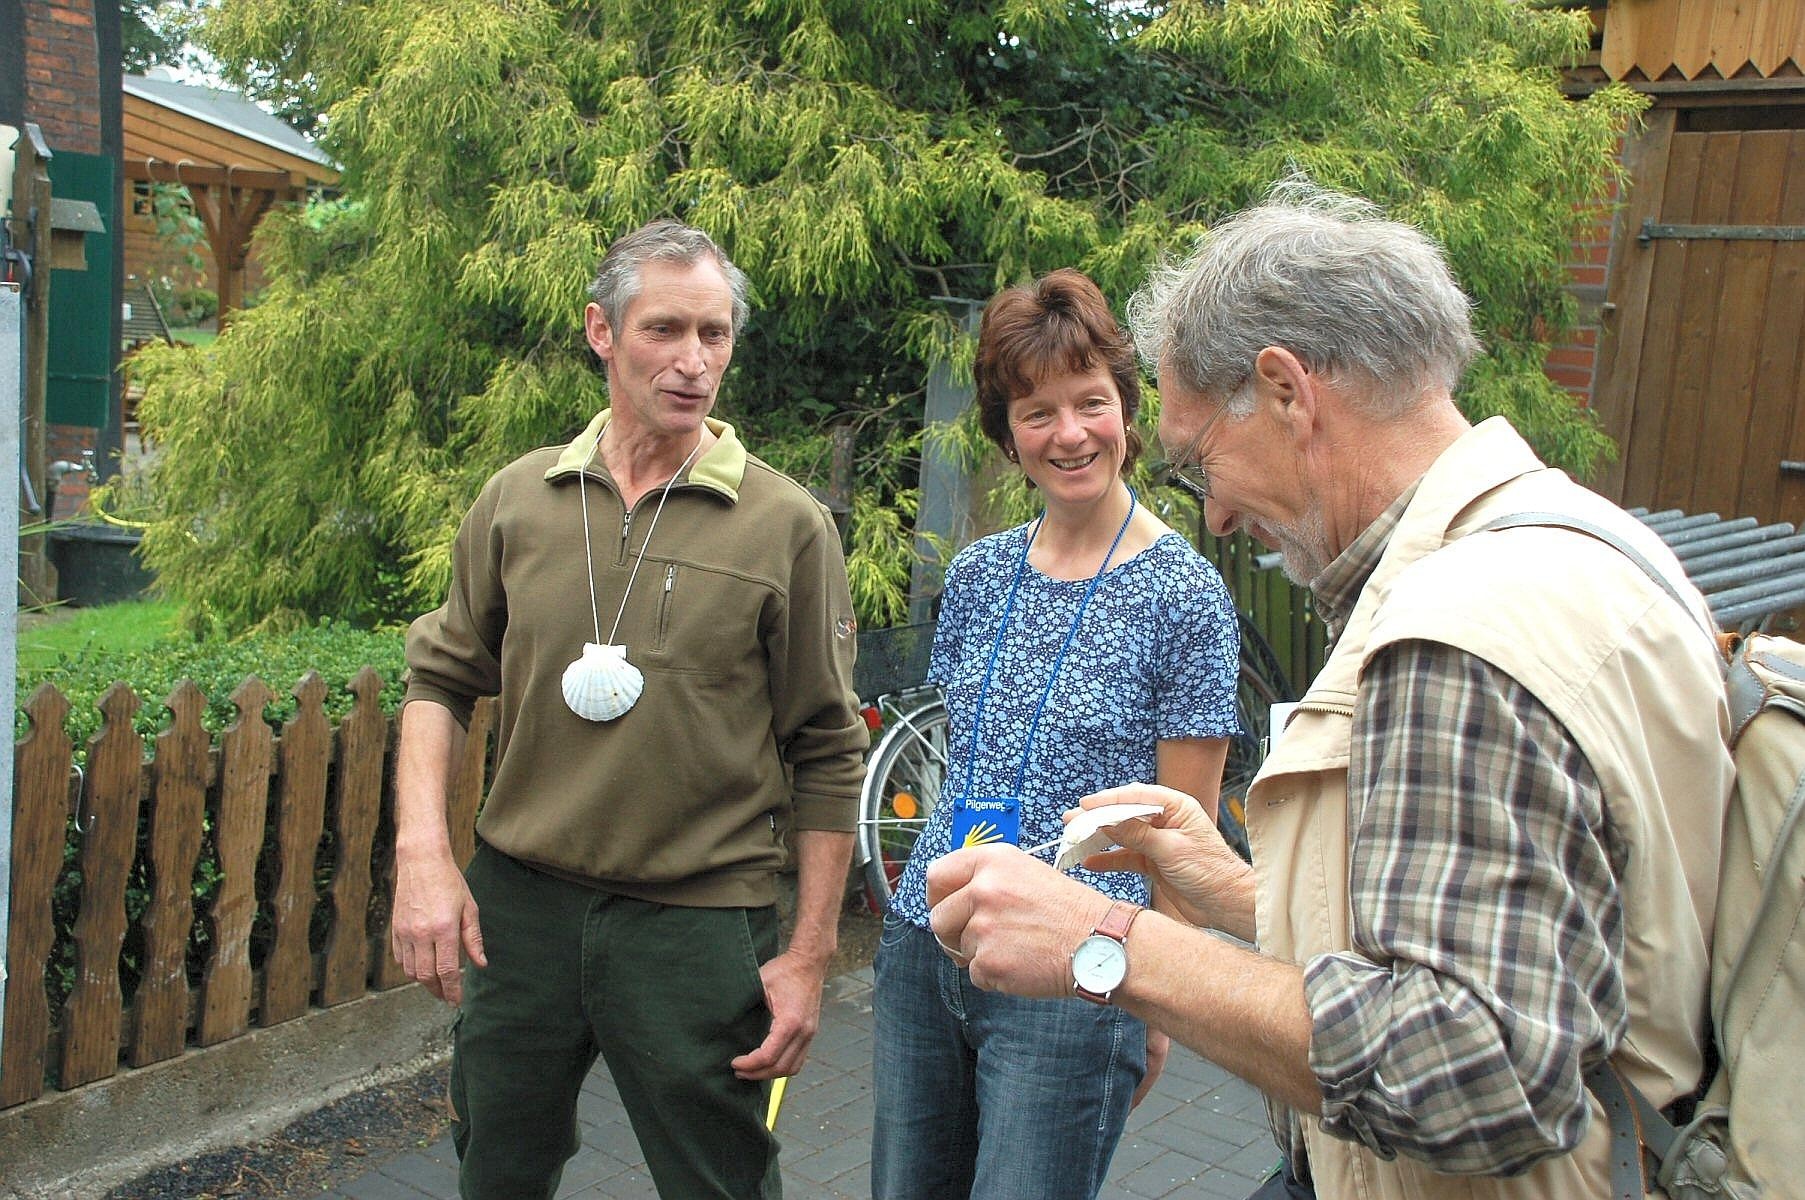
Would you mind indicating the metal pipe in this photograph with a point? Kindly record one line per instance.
(1729, 556)
(1761, 607)
(1667, 528)
(1766, 567)
(1681, 537)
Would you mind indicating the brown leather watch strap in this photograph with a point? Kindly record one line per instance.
(1116, 921)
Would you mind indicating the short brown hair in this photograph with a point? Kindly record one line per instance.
(1058, 324)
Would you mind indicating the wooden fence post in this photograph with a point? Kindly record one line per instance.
(40, 815)
(385, 972)
(178, 801)
(301, 816)
(245, 761)
(362, 738)
(109, 817)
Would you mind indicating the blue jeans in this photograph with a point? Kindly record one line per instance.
(985, 1095)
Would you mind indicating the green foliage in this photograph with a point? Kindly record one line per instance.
(185, 307)
(177, 226)
(152, 32)
(153, 667)
(858, 161)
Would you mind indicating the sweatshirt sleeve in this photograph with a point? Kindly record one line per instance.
(454, 651)
(814, 713)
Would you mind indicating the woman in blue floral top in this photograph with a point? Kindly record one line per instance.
(1088, 648)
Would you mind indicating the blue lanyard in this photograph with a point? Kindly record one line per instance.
(1021, 569)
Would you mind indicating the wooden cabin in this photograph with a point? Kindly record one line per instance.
(236, 161)
(1696, 296)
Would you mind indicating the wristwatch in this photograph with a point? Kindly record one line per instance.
(1100, 962)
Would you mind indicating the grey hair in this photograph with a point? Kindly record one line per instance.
(1368, 302)
(617, 279)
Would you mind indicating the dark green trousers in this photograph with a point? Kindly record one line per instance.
(666, 995)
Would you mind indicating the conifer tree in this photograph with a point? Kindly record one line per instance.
(861, 161)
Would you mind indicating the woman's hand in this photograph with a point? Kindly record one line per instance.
(1195, 876)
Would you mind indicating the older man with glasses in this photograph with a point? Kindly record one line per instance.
(1485, 844)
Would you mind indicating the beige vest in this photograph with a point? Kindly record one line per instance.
(1628, 674)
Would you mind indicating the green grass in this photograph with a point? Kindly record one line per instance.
(194, 337)
(125, 628)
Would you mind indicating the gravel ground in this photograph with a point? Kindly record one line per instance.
(336, 1143)
(333, 1143)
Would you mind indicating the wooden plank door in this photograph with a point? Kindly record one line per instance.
(1702, 375)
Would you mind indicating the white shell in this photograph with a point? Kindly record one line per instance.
(602, 684)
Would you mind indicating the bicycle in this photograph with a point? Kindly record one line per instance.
(906, 770)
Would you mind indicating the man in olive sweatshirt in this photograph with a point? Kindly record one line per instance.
(620, 901)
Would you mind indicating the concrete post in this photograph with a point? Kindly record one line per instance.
(945, 487)
(12, 319)
(31, 232)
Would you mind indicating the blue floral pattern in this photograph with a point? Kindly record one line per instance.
(1154, 659)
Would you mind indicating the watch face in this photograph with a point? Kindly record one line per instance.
(1099, 964)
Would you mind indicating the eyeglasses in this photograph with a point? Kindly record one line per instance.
(1186, 472)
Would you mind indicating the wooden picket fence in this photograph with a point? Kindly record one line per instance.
(312, 801)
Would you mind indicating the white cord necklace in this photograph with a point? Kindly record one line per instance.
(601, 684)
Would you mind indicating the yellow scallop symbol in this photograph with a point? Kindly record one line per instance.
(981, 834)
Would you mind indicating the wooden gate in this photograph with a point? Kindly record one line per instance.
(1701, 374)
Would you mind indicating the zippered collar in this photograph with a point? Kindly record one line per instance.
(721, 469)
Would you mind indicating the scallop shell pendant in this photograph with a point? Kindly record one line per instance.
(602, 684)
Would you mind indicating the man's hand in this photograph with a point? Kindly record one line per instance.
(434, 917)
(1159, 1048)
(1195, 876)
(793, 994)
(1013, 919)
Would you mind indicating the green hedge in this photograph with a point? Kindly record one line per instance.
(217, 666)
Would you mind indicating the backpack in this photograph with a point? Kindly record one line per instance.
(1744, 1139)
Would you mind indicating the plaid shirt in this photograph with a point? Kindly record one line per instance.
(1487, 927)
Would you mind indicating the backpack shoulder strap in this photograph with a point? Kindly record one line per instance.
(1635, 1123)
(1613, 540)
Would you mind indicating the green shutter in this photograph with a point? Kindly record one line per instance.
(81, 302)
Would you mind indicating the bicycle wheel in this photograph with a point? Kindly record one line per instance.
(903, 779)
(1259, 684)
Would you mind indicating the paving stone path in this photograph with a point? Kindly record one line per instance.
(1200, 1133)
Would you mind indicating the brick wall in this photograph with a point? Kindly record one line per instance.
(1573, 362)
(63, 97)
(62, 83)
(65, 443)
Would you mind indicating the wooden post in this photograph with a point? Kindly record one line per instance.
(945, 503)
(246, 761)
(301, 817)
(839, 477)
(362, 739)
(159, 1026)
(108, 815)
(42, 799)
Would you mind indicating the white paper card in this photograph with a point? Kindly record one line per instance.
(1275, 723)
(1084, 834)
